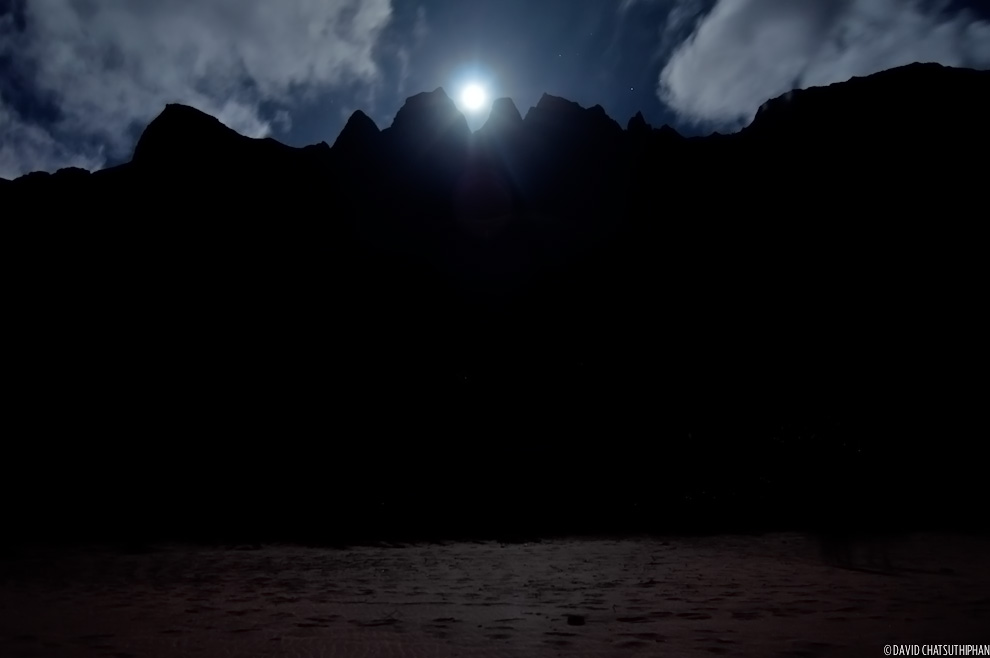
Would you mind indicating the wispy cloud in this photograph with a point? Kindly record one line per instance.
(745, 52)
(27, 147)
(113, 64)
(406, 47)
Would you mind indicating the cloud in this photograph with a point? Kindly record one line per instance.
(681, 15)
(26, 147)
(680, 19)
(113, 64)
(745, 52)
(404, 51)
(421, 28)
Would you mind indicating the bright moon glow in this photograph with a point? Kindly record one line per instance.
(473, 97)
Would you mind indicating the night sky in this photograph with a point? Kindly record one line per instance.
(79, 79)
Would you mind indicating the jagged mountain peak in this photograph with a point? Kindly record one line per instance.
(180, 130)
(551, 103)
(359, 131)
(361, 121)
(885, 104)
(638, 124)
(506, 107)
(429, 119)
(555, 113)
(427, 102)
(504, 114)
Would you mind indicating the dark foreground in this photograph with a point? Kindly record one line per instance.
(769, 595)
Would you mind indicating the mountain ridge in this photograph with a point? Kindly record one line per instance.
(550, 111)
(552, 301)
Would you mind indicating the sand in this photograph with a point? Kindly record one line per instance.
(733, 595)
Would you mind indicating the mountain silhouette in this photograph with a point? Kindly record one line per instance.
(504, 117)
(359, 137)
(884, 106)
(551, 301)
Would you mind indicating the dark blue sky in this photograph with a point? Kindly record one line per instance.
(80, 78)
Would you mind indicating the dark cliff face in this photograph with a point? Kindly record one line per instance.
(551, 281)
(504, 117)
(188, 148)
(429, 131)
(637, 125)
(359, 137)
(558, 118)
(183, 135)
(430, 116)
(921, 101)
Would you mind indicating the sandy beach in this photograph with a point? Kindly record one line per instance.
(769, 595)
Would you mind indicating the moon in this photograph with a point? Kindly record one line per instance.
(473, 97)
